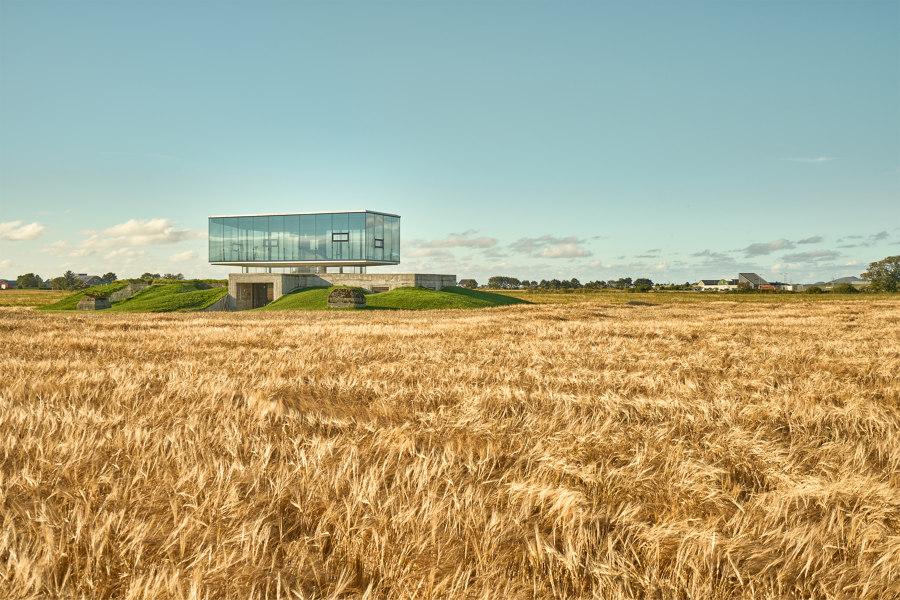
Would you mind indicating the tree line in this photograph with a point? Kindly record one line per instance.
(502, 282)
(882, 275)
(69, 280)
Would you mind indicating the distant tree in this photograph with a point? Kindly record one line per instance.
(29, 280)
(109, 277)
(499, 282)
(845, 288)
(469, 283)
(814, 289)
(150, 276)
(68, 281)
(884, 275)
(621, 283)
(554, 284)
(640, 281)
(575, 284)
(175, 276)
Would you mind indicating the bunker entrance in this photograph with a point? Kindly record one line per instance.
(263, 293)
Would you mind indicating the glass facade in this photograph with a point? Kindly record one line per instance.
(333, 237)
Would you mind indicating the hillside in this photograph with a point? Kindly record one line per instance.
(172, 297)
(406, 298)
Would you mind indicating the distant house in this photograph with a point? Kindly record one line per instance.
(754, 281)
(6, 284)
(852, 280)
(720, 285)
(89, 279)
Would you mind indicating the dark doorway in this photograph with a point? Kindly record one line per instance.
(262, 294)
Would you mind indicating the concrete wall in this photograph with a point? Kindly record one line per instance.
(240, 285)
(128, 291)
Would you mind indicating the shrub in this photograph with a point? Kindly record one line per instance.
(845, 288)
(814, 289)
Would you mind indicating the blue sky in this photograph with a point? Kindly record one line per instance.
(675, 140)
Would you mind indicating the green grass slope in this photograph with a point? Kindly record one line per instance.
(70, 302)
(406, 298)
(173, 297)
(311, 298)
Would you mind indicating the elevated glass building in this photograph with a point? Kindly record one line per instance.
(326, 239)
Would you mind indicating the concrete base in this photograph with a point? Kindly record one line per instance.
(252, 290)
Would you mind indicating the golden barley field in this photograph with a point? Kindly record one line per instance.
(716, 450)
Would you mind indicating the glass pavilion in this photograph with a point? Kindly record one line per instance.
(326, 239)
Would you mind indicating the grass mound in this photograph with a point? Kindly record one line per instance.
(408, 298)
(70, 302)
(405, 298)
(311, 298)
(173, 297)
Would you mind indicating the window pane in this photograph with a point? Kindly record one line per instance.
(230, 238)
(323, 236)
(378, 250)
(307, 237)
(357, 235)
(260, 238)
(395, 246)
(370, 236)
(388, 237)
(291, 239)
(245, 239)
(276, 235)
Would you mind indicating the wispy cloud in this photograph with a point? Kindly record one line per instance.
(14, 231)
(811, 240)
(814, 255)
(182, 257)
(460, 240)
(768, 247)
(5, 263)
(432, 253)
(572, 250)
(550, 246)
(811, 160)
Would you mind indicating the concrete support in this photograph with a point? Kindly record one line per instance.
(252, 290)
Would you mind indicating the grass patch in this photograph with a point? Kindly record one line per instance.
(311, 298)
(70, 302)
(404, 298)
(173, 297)
(409, 298)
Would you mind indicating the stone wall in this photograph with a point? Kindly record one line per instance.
(127, 292)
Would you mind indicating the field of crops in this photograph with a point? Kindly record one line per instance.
(31, 297)
(711, 450)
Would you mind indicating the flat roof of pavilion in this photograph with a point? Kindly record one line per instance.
(316, 212)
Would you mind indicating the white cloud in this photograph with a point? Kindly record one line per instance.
(14, 231)
(813, 160)
(134, 232)
(5, 263)
(131, 233)
(182, 257)
(572, 250)
(768, 248)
